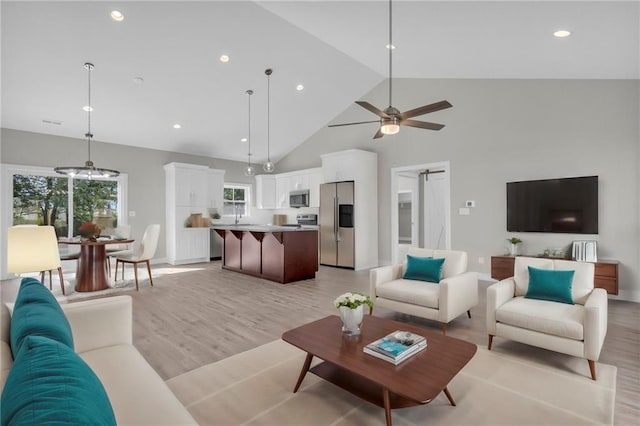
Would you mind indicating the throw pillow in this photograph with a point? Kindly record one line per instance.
(552, 285)
(37, 312)
(50, 384)
(423, 269)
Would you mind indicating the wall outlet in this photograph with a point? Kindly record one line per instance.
(481, 260)
(463, 211)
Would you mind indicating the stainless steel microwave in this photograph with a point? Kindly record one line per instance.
(299, 198)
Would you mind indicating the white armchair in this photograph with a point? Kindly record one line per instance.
(456, 293)
(577, 330)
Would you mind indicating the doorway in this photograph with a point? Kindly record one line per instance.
(420, 208)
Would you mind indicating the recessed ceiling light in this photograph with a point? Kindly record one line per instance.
(299, 87)
(562, 33)
(243, 140)
(390, 46)
(117, 16)
(224, 58)
(87, 108)
(177, 126)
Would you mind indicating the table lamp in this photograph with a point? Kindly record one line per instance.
(33, 249)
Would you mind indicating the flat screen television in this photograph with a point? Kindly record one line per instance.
(568, 205)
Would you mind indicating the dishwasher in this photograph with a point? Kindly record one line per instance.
(215, 245)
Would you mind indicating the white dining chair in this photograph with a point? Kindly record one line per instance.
(145, 252)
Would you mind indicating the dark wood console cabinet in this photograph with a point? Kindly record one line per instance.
(606, 272)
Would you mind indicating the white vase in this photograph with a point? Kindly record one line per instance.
(514, 250)
(351, 320)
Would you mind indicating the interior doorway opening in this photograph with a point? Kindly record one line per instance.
(420, 208)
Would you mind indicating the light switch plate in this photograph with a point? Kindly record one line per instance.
(463, 211)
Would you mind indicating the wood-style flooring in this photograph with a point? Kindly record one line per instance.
(201, 313)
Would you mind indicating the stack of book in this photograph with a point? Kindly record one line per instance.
(397, 346)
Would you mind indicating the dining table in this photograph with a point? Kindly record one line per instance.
(91, 271)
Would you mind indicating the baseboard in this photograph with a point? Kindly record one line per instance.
(628, 295)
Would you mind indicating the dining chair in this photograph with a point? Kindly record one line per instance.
(146, 250)
(34, 249)
(114, 250)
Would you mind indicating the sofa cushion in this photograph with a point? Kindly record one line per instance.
(423, 269)
(557, 319)
(409, 291)
(37, 313)
(554, 286)
(50, 384)
(455, 260)
(137, 393)
(521, 271)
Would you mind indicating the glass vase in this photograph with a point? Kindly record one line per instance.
(351, 319)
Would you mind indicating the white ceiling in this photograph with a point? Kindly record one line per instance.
(335, 48)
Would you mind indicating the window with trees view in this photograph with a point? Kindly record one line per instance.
(236, 199)
(64, 203)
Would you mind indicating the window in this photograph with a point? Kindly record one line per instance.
(42, 197)
(237, 199)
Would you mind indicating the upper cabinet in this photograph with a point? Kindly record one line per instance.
(266, 191)
(190, 183)
(215, 189)
(272, 191)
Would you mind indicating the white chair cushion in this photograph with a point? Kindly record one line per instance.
(455, 261)
(521, 271)
(557, 319)
(409, 291)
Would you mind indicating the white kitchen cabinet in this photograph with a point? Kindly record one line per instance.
(215, 190)
(187, 192)
(282, 191)
(315, 179)
(266, 191)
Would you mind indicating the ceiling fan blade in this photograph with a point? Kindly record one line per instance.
(421, 124)
(437, 106)
(378, 134)
(350, 124)
(376, 111)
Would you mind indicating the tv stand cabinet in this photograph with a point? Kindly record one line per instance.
(606, 272)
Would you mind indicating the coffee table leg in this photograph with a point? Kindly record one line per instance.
(387, 405)
(303, 372)
(449, 397)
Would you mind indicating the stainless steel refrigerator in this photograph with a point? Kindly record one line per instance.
(337, 232)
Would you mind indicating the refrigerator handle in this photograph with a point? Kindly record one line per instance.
(335, 219)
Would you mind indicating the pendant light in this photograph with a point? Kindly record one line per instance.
(88, 171)
(268, 167)
(249, 170)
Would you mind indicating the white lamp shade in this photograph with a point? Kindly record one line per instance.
(32, 249)
(389, 129)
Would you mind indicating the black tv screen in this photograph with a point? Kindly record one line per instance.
(568, 205)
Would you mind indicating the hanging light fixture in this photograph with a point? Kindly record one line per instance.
(88, 171)
(268, 167)
(249, 170)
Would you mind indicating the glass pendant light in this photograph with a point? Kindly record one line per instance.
(268, 167)
(88, 171)
(249, 170)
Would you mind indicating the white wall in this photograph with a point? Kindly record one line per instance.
(506, 130)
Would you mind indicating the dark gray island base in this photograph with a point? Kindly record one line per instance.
(274, 253)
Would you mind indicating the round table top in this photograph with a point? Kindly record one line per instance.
(98, 242)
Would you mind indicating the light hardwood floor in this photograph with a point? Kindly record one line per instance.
(201, 314)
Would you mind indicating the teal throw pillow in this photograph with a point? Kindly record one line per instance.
(49, 384)
(552, 285)
(423, 269)
(36, 312)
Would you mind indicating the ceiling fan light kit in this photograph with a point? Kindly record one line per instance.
(89, 170)
(268, 167)
(391, 118)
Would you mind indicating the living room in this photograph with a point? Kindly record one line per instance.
(501, 128)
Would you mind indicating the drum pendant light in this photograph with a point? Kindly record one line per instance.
(88, 171)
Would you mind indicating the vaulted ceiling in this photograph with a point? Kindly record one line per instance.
(336, 49)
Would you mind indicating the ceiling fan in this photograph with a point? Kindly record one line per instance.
(391, 118)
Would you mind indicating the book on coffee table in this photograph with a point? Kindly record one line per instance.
(397, 346)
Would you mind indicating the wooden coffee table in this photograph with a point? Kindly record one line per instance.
(415, 381)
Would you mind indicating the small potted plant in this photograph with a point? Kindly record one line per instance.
(351, 307)
(513, 251)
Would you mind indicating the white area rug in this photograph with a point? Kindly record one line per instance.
(255, 387)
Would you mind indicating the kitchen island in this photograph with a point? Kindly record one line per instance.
(277, 253)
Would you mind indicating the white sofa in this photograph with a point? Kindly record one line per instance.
(577, 330)
(102, 334)
(456, 293)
